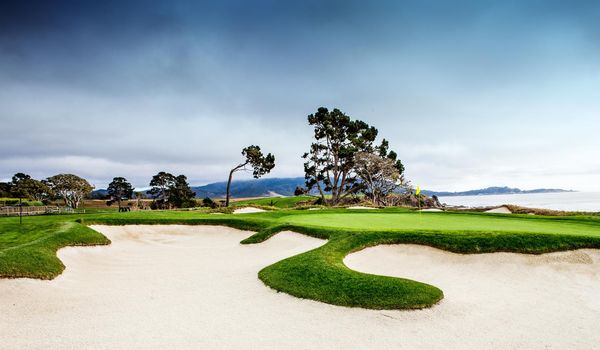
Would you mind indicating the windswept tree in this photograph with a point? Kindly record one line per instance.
(330, 161)
(119, 189)
(181, 194)
(19, 186)
(161, 184)
(384, 151)
(23, 186)
(379, 175)
(71, 188)
(255, 160)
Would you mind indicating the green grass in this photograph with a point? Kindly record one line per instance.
(448, 222)
(277, 202)
(319, 274)
(29, 250)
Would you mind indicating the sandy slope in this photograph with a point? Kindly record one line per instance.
(195, 287)
(499, 210)
(248, 210)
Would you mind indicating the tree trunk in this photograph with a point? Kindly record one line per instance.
(321, 192)
(229, 186)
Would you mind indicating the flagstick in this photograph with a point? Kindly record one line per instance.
(420, 211)
(418, 193)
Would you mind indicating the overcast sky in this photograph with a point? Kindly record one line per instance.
(470, 93)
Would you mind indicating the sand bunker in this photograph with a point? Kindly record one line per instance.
(432, 209)
(499, 210)
(196, 287)
(501, 300)
(359, 207)
(248, 210)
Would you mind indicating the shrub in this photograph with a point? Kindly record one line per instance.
(15, 201)
(208, 202)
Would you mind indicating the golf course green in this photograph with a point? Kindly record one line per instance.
(29, 250)
(445, 221)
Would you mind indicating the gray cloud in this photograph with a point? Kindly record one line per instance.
(469, 92)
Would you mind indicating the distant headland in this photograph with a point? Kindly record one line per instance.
(496, 190)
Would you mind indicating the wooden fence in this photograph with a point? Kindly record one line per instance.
(33, 210)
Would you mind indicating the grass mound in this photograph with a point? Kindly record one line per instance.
(29, 250)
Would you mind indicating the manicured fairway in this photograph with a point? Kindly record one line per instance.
(30, 250)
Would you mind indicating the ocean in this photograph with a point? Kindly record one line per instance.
(570, 201)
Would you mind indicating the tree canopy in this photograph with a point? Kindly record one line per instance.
(169, 191)
(24, 186)
(161, 184)
(259, 163)
(180, 194)
(71, 188)
(330, 164)
(119, 189)
(379, 175)
(330, 161)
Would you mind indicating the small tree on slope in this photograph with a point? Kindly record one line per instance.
(254, 158)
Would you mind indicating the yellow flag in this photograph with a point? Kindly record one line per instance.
(418, 190)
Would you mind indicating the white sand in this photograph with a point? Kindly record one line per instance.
(248, 210)
(195, 287)
(499, 210)
(432, 209)
(500, 300)
(359, 207)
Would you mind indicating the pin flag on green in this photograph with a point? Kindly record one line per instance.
(418, 190)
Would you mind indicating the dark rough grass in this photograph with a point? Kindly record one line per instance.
(320, 274)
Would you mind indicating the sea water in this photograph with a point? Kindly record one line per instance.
(570, 201)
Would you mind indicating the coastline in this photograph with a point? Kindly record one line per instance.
(563, 201)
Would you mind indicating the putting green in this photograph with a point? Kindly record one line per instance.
(446, 222)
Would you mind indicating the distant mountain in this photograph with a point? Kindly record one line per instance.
(493, 191)
(286, 186)
(99, 194)
(251, 188)
(242, 188)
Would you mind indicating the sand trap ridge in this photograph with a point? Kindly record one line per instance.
(247, 210)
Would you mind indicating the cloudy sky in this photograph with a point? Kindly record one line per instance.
(469, 93)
